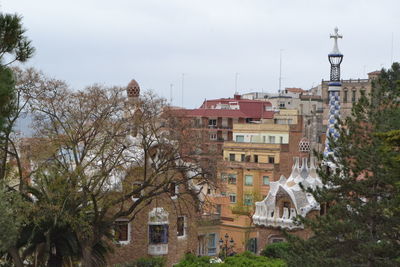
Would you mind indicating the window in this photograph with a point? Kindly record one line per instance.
(173, 189)
(353, 96)
(213, 136)
(136, 189)
(180, 226)
(281, 139)
(239, 138)
(248, 200)
(252, 245)
(212, 244)
(218, 208)
(232, 198)
(224, 177)
(345, 96)
(122, 231)
(264, 138)
(271, 160)
(256, 158)
(232, 178)
(208, 191)
(271, 139)
(248, 180)
(212, 123)
(231, 157)
(242, 157)
(158, 234)
(265, 180)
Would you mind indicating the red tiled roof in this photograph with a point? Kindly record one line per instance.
(295, 90)
(254, 109)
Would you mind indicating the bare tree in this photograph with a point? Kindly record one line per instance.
(99, 158)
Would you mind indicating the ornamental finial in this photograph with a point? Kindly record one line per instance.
(336, 36)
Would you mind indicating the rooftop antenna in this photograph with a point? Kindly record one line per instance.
(280, 71)
(391, 52)
(183, 83)
(170, 92)
(236, 82)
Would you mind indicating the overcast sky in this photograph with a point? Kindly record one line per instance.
(155, 41)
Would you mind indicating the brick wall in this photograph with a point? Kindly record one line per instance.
(177, 246)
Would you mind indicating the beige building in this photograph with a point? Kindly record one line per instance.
(350, 93)
(251, 161)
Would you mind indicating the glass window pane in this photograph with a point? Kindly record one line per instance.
(265, 180)
(248, 180)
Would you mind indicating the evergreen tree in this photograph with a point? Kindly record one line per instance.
(361, 227)
(14, 46)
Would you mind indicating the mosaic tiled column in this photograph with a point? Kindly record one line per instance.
(334, 115)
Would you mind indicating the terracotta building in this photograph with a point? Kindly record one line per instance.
(214, 119)
(251, 161)
(166, 226)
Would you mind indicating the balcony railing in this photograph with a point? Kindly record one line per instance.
(209, 219)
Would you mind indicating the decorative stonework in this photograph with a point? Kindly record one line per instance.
(304, 145)
(286, 199)
(133, 89)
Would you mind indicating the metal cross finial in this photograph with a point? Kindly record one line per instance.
(336, 36)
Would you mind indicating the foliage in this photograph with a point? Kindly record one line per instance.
(241, 260)
(362, 224)
(276, 250)
(90, 146)
(145, 262)
(13, 41)
(13, 217)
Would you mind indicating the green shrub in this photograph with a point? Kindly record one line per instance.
(191, 260)
(246, 259)
(276, 250)
(145, 262)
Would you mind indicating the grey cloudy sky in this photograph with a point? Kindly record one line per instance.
(155, 41)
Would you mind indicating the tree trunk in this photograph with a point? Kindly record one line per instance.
(3, 158)
(87, 256)
(55, 260)
(16, 257)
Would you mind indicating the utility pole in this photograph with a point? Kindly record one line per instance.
(183, 84)
(391, 52)
(280, 71)
(170, 93)
(236, 82)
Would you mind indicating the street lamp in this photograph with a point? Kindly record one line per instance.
(226, 247)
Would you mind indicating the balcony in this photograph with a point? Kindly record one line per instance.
(247, 165)
(209, 220)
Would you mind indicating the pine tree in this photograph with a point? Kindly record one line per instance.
(362, 225)
(14, 47)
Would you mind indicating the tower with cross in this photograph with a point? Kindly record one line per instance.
(335, 59)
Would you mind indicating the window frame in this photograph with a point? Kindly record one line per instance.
(246, 181)
(232, 178)
(263, 180)
(241, 138)
(163, 236)
(184, 226)
(128, 231)
(232, 195)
